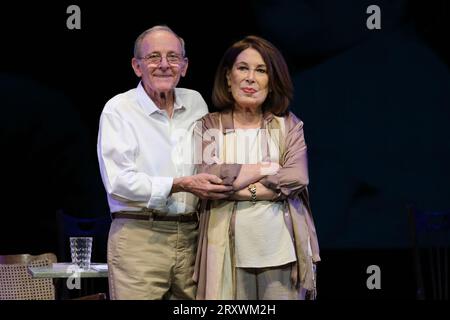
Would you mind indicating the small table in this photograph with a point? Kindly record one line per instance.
(69, 270)
(66, 270)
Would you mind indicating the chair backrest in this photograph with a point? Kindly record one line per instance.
(17, 284)
(430, 234)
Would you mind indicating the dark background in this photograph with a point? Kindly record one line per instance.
(375, 105)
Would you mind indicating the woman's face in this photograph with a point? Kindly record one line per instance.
(248, 79)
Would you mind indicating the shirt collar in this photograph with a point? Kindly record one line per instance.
(149, 106)
(228, 124)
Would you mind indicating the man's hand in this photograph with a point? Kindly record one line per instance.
(203, 185)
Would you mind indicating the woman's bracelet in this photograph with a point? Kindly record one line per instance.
(252, 189)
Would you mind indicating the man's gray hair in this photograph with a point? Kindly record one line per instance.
(137, 43)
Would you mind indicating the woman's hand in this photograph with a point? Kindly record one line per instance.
(251, 173)
(262, 193)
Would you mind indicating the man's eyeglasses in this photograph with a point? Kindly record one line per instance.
(156, 58)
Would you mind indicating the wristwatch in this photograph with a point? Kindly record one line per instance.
(252, 189)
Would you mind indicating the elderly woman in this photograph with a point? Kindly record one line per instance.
(261, 242)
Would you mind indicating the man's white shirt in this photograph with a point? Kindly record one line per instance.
(141, 150)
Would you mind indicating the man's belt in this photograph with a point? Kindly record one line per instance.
(151, 215)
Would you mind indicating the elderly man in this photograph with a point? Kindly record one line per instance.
(144, 136)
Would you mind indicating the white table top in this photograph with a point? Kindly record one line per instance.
(67, 269)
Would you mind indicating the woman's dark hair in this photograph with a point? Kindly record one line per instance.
(280, 83)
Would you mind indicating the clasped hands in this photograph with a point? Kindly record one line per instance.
(209, 186)
(252, 174)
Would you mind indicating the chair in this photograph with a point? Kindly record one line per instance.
(17, 284)
(430, 234)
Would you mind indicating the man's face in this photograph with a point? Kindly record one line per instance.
(160, 63)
